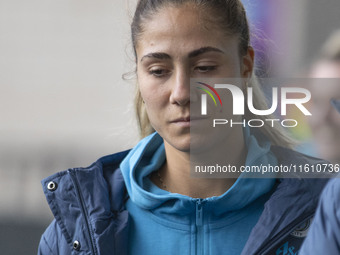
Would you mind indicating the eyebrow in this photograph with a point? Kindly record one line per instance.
(203, 50)
(192, 54)
(158, 55)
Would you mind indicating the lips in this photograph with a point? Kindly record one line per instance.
(188, 119)
(183, 119)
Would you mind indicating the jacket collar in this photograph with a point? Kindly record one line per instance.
(293, 201)
(88, 205)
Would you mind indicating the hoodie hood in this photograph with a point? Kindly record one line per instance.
(149, 155)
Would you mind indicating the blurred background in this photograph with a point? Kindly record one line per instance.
(64, 104)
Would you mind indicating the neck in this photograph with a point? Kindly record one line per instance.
(174, 175)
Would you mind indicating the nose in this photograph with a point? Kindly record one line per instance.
(180, 93)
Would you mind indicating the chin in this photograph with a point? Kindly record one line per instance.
(179, 143)
(183, 146)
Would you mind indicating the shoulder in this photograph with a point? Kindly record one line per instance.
(84, 202)
(332, 188)
(52, 242)
(330, 202)
(324, 234)
(329, 207)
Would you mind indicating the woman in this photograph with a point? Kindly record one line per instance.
(144, 201)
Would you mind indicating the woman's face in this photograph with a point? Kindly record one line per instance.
(176, 45)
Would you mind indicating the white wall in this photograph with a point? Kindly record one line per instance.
(63, 102)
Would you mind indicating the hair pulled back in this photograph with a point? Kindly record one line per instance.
(231, 18)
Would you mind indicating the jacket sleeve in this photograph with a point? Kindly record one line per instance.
(52, 242)
(324, 234)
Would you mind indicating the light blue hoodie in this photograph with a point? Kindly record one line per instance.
(168, 223)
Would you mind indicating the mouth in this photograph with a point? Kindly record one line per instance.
(183, 119)
(187, 120)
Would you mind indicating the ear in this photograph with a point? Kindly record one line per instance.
(248, 63)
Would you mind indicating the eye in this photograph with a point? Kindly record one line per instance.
(159, 72)
(205, 69)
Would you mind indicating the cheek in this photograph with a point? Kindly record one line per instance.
(155, 97)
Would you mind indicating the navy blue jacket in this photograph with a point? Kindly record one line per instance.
(90, 217)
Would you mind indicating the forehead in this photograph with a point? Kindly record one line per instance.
(171, 17)
(181, 28)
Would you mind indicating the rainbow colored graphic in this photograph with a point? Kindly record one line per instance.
(209, 93)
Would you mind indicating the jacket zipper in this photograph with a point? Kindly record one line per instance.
(199, 227)
(287, 230)
(82, 207)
